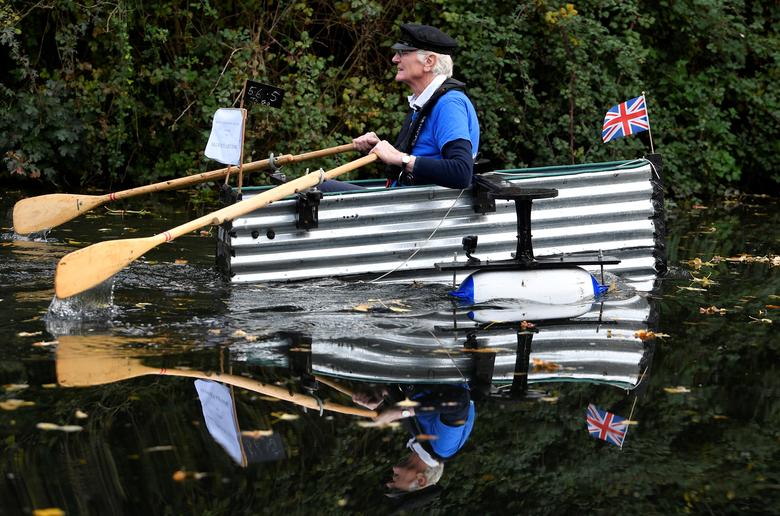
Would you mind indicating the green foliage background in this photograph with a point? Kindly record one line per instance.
(101, 94)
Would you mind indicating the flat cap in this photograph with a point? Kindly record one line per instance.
(425, 37)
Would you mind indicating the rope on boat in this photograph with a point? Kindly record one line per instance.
(448, 354)
(423, 244)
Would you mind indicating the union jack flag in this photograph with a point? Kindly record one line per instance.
(625, 119)
(605, 425)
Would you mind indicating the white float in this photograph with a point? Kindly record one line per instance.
(560, 286)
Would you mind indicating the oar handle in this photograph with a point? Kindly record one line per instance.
(323, 152)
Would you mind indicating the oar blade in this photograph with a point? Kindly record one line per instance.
(91, 266)
(43, 212)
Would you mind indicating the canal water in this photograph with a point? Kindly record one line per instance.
(108, 403)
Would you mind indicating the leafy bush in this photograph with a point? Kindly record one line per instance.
(101, 94)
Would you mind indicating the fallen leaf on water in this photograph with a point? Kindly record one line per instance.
(71, 428)
(705, 281)
(43, 344)
(677, 390)
(549, 399)
(180, 261)
(81, 414)
(630, 422)
(772, 307)
(445, 351)
(720, 417)
(104, 229)
(13, 404)
(284, 416)
(29, 334)
(179, 476)
(49, 385)
(543, 365)
(710, 310)
(257, 434)
(699, 207)
(49, 511)
(250, 338)
(215, 331)
(484, 350)
(13, 387)
(693, 289)
(406, 403)
(62, 428)
(239, 333)
(47, 426)
(159, 448)
(644, 335)
(143, 305)
(762, 321)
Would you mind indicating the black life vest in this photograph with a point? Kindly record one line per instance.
(411, 128)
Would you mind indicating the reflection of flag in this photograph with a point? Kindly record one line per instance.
(625, 119)
(605, 425)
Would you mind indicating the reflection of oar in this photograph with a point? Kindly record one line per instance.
(90, 266)
(80, 364)
(47, 211)
(337, 386)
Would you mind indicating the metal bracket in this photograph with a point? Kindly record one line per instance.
(483, 201)
(307, 209)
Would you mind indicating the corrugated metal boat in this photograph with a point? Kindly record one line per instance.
(400, 234)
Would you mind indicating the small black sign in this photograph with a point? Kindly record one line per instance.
(259, 93)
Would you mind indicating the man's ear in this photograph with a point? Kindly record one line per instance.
(421, 480)
(430, 61)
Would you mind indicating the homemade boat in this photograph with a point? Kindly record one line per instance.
(401, 234)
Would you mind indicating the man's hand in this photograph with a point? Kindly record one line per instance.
(390, 415)
(367, 400)
(366, 142)
(388, 154)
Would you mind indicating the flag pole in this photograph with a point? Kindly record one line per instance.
(649, 131)
(633, 405)
(243, 133)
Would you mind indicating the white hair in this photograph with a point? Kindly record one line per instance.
(432, 475)
(443, 64)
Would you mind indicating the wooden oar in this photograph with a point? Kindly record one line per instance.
(82, 361)
(335, 385)
(44, 212)
(90, 266)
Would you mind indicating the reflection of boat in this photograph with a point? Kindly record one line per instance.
(600, 345)
(610, 207)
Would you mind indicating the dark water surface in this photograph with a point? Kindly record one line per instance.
(705, 412)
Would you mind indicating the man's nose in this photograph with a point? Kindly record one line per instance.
(396, 58)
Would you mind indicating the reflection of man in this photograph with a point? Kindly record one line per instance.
(439, 418)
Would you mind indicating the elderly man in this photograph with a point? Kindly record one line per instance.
(439, 138)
